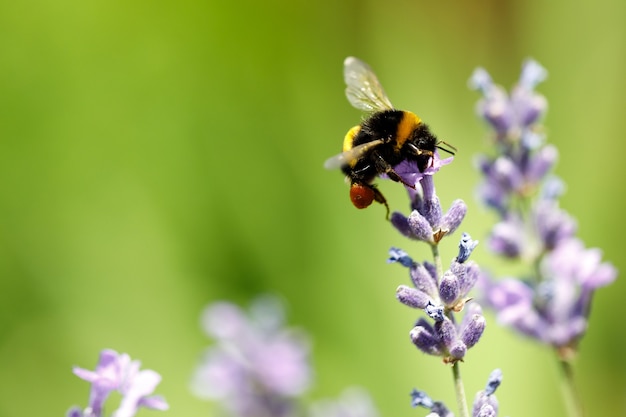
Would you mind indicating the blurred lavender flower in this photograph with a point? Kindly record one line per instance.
(353, 402)
(116, 372)
(552, 304)
(257, 367)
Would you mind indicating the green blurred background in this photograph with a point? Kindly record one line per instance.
(156, 156)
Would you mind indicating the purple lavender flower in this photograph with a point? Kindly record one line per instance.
(353, 402)
(427, 222)
(485, 402)
(554, 310)
(116, 372)
(552, 303)
(439, 299)
(512, 115)
(256, 367)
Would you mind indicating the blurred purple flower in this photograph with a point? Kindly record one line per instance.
(116, 372)
(485, 402)
(511, 115)
(256, 367)
(553, 306)
(353, 402)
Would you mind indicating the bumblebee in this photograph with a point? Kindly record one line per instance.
(384, 139)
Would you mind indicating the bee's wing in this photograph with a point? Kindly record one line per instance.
(350, 155)
(363, 88)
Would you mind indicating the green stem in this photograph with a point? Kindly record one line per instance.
(461, 400)
(570, 394)
(437, 260)
(459, 389)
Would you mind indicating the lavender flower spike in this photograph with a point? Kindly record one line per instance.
(551, 303)
(116, 372)
(252, 351)
(512, 115)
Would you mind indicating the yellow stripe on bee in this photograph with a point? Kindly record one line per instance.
(349, 138)
(407, 125)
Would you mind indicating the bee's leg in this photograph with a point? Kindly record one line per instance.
(379, 197)
(383, 166)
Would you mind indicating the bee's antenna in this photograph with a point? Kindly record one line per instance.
(449, 148)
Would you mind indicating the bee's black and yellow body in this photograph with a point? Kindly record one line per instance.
(385, 139)
(404, 136)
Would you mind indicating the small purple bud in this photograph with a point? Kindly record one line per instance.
(485, 403)
(420, 227)
(439, 409)
(447, 332)
(507, 238)
(485, 410)
(481, 81)
(506, 173)
(532, 74)
(466, 246)
(494, 381)
(454, 216)
(400, 256)
(421, 399)
(458, 350)
(423, 279)
(449, 288)
(553, 224)
(552, 188)
(425, 341)
(401, 223)
(74, 412)
(412, 298)
(468, 274)
(541, 163)
(431, 207)
(470, 335)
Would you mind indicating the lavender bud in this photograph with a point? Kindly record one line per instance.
(401, 223)
(486, 410)
(457, 351)
(506, 173)
(454, 216)
(431, 207)
(553, 224)
(532, 74)
(400, 256)
(449, 288)
(74, 412)
(423, 279)
(507, 238)
(466, 246)
(420, 227)
(447, 332)
(485, 403)
(473, 330)
(421, 399)
(494, 381)
(412, 298)
(425, 341)
(541, 163)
